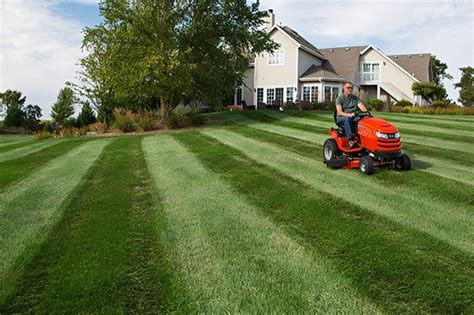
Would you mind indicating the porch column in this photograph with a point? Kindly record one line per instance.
(378, 91)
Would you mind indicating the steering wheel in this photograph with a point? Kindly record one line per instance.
(364, 114)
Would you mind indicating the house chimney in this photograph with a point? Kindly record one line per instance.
(270, 19)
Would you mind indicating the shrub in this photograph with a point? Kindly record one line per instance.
(48, 126)
(41, 135)
(172, 122)
(324, 105)
(68, 132)
(289, 106)
(439, 104)
(124, 121)
(145, 120)
(97, 127)
(305, 105)
(182, 110)
(403, 103)
(196, 119)
(375, 104)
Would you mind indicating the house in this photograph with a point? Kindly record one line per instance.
(299, 70)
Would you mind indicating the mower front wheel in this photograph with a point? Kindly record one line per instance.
(366, 165)
(330, 151)
(403, 163)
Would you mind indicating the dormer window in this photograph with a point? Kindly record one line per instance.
(277, 57)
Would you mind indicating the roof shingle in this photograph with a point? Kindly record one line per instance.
(418, 65)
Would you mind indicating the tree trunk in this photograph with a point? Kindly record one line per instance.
(166, 109)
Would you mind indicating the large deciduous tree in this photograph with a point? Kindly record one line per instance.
(151, 52)
(439, 69)
(466, 86)
(64, 106)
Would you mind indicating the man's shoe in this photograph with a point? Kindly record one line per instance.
(353, 144)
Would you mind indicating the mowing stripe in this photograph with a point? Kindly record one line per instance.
(236, 260)
(29, 208)
(450, 222)
(14, 170)
(398, 267)
(434, 166)
(10, 139)
(419, 135)
(22, 151)
(4, 147)
(103, 255)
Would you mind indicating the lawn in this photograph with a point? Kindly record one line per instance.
(240, 216)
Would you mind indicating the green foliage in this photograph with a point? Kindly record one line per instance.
(403, 103)
(171, 121)
(11, 98)
(15, 116)
(64, 106)
(439, 70)
(123, 120)
(466, 86)
(86, 116)
(439, 108)
(41, 135)
(145, 120)
(429, 90)
(375, 104)
(147, 56)
(196, 119)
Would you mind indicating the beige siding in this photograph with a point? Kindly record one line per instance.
(388, 72)
(306, 60)
(248, 86)
(277, 75)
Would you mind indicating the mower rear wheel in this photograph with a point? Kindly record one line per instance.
(403, 163)
(366, 165)
(330, 150)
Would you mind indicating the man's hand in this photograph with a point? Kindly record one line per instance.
(352, 115)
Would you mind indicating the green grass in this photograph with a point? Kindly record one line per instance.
(240, 216)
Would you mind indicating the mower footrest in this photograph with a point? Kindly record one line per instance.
(336, 163)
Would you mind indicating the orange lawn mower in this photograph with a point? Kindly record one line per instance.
(379, 145)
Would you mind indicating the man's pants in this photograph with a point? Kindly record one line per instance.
(349, 124)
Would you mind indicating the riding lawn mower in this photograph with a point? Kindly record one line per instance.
(379, 145)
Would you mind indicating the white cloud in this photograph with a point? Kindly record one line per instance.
(443, 28)
(38, 50)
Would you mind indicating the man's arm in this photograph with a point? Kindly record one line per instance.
(362, 107)
(341, 113)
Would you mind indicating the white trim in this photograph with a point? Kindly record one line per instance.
(276, 64)
(309, 79)
(390, 60)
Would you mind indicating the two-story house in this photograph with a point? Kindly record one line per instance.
(299, 70)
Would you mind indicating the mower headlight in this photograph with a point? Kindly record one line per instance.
(396, 135)
(381, 135)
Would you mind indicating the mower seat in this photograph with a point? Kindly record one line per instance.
(340, 126)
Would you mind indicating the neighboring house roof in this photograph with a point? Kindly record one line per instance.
(343, 60)
(418, 65)
(321, 73)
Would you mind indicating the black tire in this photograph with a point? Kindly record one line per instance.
(330, 150)
(366, 165)
(403, 163)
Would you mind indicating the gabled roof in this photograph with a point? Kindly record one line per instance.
(343, 60)
(418, 65)
(299, 41)
(321, 72)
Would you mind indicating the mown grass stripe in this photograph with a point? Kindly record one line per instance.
(9, 139)
(405, 271)
(236, 260)
(14, 170)
(435, 166)
(29, 208)
(103, 256)
(10, 146)
(449, 221)
(419, 134)
(23, 151)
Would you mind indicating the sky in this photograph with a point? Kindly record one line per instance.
(40, 40)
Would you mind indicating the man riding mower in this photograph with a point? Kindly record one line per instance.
(362, 141)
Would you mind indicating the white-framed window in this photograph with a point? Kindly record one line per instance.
(330, 93)
(314, 94)
(270, 96)
(370, 71)
(306, 93)
(277, 57)
(279, 94)
(238, 96)
(259, 95)
(289, 94)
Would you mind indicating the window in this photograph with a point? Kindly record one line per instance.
(238, 96)
(277, 58)
(327, 93)
(259, 95)
(314, 94)
(289, 94)
(270, 96)
(279, 94)
(335, 93)
(370, 71)
(306, 93)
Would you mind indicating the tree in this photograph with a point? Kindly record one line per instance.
(429, 91)
(32, 116)
(64, 106)
(164, 51)
(466, 86)
(439, 70)
(86, 116)
(11, 98)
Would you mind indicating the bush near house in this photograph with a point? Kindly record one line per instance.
(375, 104)
(404, 103)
